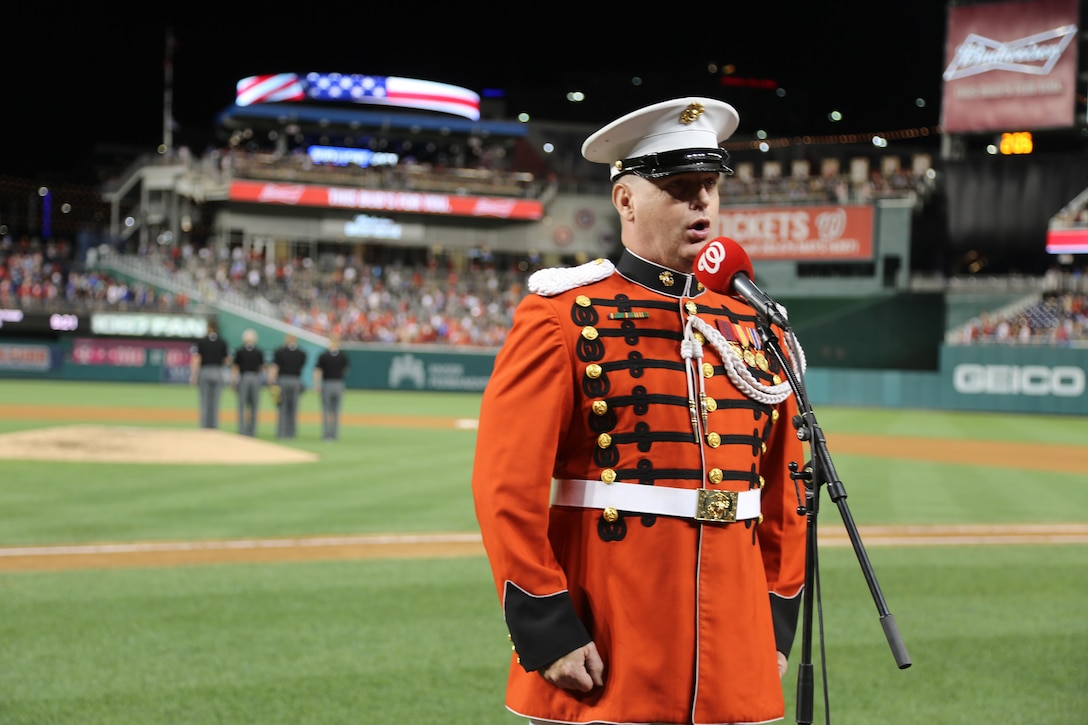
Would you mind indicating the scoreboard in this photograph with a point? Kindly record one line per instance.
(17, 322)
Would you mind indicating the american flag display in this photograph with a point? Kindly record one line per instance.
(269, 89)
(355, 88)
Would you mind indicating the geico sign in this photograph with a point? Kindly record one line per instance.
(1066, 381)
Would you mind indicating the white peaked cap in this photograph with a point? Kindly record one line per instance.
(670, 137)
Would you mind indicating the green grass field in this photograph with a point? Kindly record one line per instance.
(996, 633)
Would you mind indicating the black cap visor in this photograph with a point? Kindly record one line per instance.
(653, 166)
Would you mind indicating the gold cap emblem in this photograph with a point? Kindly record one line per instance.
(690, 114)
(666, 279)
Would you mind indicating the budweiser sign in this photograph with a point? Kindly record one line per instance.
(1011, 66)
(405, 202)
(1034, 55)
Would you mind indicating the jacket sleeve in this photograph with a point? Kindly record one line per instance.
(782, 533)
(524, 414)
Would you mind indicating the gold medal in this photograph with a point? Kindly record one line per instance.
(761, 361)
(749, 357)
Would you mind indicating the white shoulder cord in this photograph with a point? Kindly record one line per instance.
(738, 372)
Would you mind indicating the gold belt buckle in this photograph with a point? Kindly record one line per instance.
(716, 506)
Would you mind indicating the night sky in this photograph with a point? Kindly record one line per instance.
(79, 83)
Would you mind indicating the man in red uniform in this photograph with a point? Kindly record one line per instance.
(631, 475)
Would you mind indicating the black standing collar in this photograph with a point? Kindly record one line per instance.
(658, 278)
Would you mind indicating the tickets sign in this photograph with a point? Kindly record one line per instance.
(801, 233)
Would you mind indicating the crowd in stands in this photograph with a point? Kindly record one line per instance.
(1059, 319)
(489, 175)
(36, 275)
(470, 303)
(438, 300)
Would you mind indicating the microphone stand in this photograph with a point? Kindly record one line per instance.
(821, 471)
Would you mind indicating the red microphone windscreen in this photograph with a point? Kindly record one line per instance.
(719, 261)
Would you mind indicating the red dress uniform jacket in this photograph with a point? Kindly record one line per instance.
(591, 384)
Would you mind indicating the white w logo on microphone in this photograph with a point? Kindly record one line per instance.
(710, 261)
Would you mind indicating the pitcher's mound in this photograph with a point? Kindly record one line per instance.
(120, 444)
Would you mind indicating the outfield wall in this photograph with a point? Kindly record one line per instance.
(978, 378)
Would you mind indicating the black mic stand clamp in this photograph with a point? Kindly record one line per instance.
(820, 471)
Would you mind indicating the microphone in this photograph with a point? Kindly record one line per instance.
(723, 266)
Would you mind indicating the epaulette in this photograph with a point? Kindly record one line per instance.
(552, 281)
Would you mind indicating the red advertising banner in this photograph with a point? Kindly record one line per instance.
(801, 233)
(130, 353)
(1010, 66)
(1067, 241)
(407, 202)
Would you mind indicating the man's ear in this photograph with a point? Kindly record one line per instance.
(623, 200)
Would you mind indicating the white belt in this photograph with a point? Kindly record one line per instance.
(699, 504)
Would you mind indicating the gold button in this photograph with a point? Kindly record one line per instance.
(600, 407)
(713, 439)
(611, 514)
(698, 337)
(593, 371)
(763, 447)
(715, 475)
(762, 482)
(691, 307)
(708, 370)
(604, 440)
(582, 301)
(774, 416)
(777, 380)
(760, 519)
(711, 405)
(589, 332)
(699, 286)
(608, 475)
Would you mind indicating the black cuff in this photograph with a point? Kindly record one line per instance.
(543, 629)
(784, 612)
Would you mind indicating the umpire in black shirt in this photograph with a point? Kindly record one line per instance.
(329, 372)
(287, 363)
(208, 362)
(248, 368)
